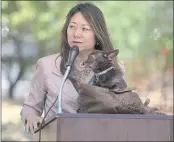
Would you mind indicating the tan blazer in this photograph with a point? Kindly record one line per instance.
(45, 88)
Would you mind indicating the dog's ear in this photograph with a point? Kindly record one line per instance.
(113, 53)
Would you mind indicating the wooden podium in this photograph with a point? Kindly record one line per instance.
(106, 127)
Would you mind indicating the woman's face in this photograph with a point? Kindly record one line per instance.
(80, 33)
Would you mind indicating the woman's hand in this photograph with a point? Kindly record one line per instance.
(32, 122)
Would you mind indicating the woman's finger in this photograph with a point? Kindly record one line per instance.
(31, 127)
(40, 120)
(35, 125)
(27, 127)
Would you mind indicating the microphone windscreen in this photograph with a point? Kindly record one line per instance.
(74, 51)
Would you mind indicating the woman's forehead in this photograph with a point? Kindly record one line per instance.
(78, 18)
(76, 23)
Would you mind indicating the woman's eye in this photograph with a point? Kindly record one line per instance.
(85, 29)
(72, 27)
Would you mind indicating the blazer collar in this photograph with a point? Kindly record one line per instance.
(56, 67)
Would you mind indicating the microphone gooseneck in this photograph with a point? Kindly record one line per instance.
(74, 51)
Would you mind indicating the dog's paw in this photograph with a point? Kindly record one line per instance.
(147, 102)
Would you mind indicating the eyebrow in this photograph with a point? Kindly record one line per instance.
(82, 24)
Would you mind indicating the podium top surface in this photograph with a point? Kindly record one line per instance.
(114, 116)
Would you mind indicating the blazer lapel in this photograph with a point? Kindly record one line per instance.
(69, 89)
(56, 67)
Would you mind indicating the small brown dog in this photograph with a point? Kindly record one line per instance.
(117, 98)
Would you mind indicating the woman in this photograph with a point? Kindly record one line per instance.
(85, 27)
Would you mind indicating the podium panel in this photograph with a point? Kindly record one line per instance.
(107, 127)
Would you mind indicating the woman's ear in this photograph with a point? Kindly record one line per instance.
(113, 53)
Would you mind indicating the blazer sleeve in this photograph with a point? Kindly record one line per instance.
(35, 100)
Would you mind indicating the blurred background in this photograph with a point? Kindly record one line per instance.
(141, 30)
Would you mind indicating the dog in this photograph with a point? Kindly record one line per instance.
(109, 75)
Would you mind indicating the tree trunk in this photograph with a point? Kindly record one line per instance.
(11, 92)
(13, 84)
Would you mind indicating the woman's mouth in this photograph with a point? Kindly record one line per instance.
(76, 42)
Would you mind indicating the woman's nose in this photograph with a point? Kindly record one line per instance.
(77, 33)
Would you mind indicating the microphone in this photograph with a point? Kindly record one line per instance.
(74, 51)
